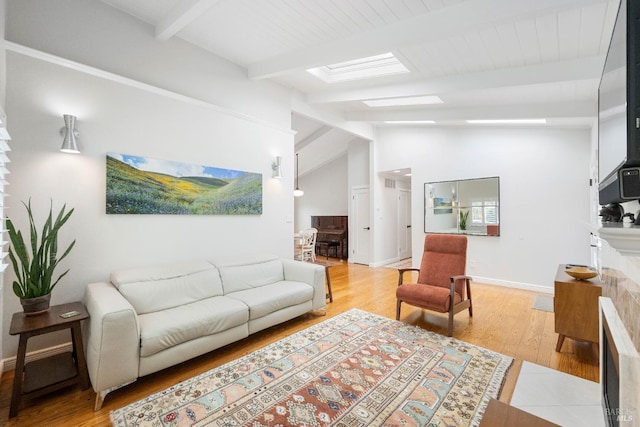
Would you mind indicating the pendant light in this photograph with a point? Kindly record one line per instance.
(297, 192)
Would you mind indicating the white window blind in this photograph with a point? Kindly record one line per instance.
(4, 159)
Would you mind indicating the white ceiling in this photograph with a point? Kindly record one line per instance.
(484, 58)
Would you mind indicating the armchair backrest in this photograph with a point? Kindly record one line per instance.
(444, 255)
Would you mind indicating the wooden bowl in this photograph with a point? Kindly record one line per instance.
(581, 273)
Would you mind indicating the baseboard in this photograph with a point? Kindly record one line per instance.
(385, 262)
(9, 364)
(509, 284)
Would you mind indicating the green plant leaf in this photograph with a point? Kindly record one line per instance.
(35, 268)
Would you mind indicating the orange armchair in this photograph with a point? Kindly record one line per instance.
(442, 284)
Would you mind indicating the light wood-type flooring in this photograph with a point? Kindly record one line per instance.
(503, 321)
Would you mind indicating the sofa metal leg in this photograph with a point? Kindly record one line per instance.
(398, 309)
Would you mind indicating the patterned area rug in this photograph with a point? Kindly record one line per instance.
(355, 369)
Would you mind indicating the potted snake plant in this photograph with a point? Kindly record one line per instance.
(463, 220)
(34, 264)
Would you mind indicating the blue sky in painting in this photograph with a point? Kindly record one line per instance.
(173, 168)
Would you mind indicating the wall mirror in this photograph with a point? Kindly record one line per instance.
(467, 206)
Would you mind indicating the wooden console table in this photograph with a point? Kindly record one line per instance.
(52, 373)
(575, 305)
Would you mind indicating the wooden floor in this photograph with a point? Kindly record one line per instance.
(503, 321)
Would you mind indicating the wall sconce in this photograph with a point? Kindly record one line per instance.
(276, 167)
(69, 143)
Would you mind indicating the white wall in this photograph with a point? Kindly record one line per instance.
(358, 164)
(123, 118)
(325, 193)
(93, 33)
(544, 191)
(3, 58)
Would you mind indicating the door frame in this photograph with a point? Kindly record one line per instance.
(355, 226)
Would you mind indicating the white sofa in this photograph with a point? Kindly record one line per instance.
(147, 319)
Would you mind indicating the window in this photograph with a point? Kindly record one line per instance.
(484, 212)
(4, 147)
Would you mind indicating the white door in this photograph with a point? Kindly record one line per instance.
(404, 223)
(360, 247)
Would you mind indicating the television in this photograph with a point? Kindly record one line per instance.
(619, 111)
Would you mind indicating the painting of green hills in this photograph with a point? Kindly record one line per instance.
(142, 185)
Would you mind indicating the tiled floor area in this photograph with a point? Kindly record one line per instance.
(561, 398)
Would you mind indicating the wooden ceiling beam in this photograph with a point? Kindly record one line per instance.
(182, 14)
(470, 15)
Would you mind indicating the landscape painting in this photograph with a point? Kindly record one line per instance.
(442, 206)
(141, 185)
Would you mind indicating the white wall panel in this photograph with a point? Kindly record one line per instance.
(544, 194)
(117, 118)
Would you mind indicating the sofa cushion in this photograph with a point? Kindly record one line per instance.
(249, 273)
(164, 329)
(169, 285)
(273, 297)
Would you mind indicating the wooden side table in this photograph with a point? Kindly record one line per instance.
(326, 264)
(52, 373)
(575, 305)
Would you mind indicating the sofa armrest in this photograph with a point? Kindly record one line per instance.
(112, 339)
(308, 273)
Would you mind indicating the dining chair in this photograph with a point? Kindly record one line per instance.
(308, 244)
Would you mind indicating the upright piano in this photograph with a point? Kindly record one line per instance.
(332, 229)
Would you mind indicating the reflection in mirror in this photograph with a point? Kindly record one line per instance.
(468, 206)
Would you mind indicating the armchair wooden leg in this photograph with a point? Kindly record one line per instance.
(398, 309)
(450, 331)
(469, 297)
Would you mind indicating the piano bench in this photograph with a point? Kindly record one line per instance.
(328, 245)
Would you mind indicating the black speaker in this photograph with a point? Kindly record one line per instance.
(630, 183)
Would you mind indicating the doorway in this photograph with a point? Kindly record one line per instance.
(360, 248)
(404, 223)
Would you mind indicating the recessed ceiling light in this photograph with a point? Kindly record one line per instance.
(509, 121)
(409, 122)
(362, 68)
(407, 100)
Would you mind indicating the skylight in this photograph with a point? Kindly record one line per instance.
(509, 121)
(363, 68)
(407, 100)
(410, 122)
